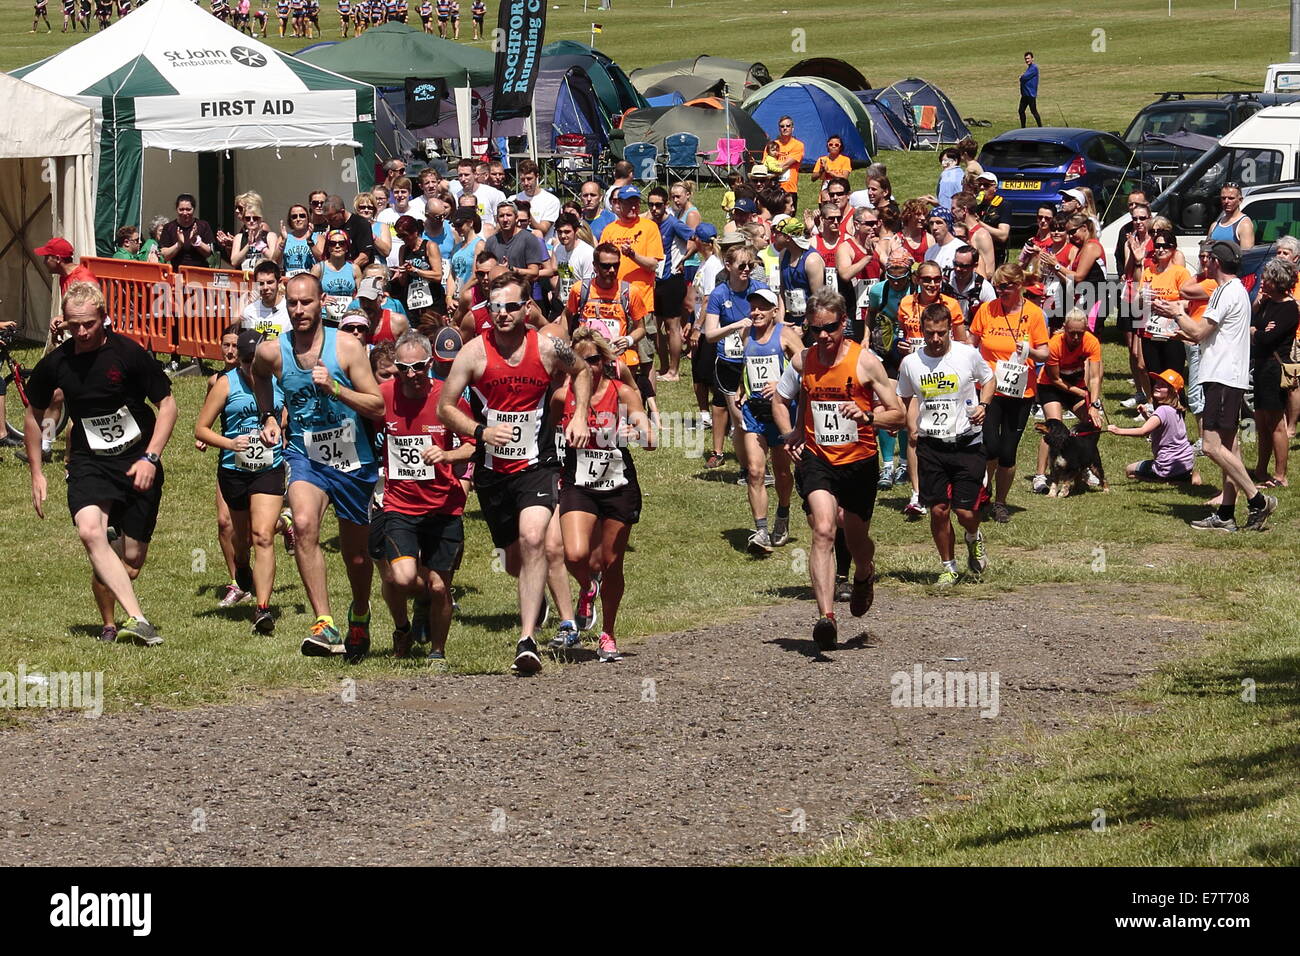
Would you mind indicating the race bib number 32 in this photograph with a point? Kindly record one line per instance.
(255, 457)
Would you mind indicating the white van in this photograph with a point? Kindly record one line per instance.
(1282, 78)
(1264, 149)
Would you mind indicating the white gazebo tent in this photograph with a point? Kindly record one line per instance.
(184, 103)
(45, 190)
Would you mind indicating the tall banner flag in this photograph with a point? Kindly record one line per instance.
(520, 26)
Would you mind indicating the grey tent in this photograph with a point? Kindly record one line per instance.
(656, 123)
(741, 78)
(833, 69)
(690, 87)
(926, 110)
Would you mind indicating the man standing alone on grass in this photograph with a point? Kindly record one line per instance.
(1029, 90)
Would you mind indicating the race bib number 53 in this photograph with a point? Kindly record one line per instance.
(111, 434)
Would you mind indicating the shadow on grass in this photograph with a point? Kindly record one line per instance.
(809, 649)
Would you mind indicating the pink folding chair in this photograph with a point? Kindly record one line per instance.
(728, 155)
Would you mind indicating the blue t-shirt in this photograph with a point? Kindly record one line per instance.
(1029, 81)
(600, 222)
(445, 241)
(731, 306)
(949, 185)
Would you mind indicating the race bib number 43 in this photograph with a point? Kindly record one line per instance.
(111, 434)
(1013, 378)
(830, 426)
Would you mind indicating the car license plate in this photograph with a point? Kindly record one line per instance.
(1027, 184)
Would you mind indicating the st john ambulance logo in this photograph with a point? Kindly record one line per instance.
(242, 54)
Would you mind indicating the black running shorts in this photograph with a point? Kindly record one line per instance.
(133, 513)
(942, 466)
(502, 498)
(237, 486)
(435, 540)
(853, 485)
(622, 504)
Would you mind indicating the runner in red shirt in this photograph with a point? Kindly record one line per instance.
(419, 535)
(511, 371)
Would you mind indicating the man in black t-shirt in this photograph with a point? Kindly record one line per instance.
(115, 441)
(361, 237)
(186, 241)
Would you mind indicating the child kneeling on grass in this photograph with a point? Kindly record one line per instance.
(1174, 456)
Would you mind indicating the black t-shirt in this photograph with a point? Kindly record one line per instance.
(361, 237)
(107, 391)
(187, 255)
(990, 213)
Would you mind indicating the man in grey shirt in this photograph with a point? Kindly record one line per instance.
(518, 248)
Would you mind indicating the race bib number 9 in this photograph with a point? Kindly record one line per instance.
(1013, 378)
(830, 427)
(333, 447)
(256, 457)
(111, 434)
(406, 458)
(522, 443)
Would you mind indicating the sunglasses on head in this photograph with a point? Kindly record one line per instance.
(418, 368)
(503, 307)
(1005, 286)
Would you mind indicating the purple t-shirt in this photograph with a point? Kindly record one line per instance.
(1173, 453)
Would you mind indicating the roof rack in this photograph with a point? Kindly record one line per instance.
(1217, 94)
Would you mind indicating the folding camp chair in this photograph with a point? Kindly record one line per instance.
(727, 157)
(682, 156)
(644, 158)
(572, 162)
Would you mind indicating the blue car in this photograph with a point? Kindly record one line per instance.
(1034, 165)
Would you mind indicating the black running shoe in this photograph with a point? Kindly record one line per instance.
(527, 660)
(263, 622)
(1257, 516)
(825, 632)
(862, 596)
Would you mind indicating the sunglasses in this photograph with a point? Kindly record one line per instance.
(828, 329)
(363, 208)
(501, 308)
(593, 359)
(418, 368)
(1043, 218)
(338, 245)
(657, 205)
(832, 218)
(1006, 286)
(928, 280)
(252, 219)
(867, 222)
(1161, 245)
(318, 202)
(745, 267)
(1141, 218)
(358, 330)
(606, 265)
(838, 194)
(298, 215)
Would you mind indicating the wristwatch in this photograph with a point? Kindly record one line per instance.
(1096, 403)
(478, 432)
(151, 458)
(871, 418)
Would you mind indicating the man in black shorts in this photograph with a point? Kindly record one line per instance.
(945, 388)
(115, 475)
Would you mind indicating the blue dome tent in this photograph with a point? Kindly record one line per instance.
(891, 130)
(820, 109)
(927, 111)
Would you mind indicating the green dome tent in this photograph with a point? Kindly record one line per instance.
(820, 109)
(741, 78)
(616, 93)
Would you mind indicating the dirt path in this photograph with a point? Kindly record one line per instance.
(743, 732)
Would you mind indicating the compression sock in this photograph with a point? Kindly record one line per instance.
(843, 557)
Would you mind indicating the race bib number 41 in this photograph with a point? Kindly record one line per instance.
(830, 426)
(111, 434)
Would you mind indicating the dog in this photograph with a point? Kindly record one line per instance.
(1070, 456)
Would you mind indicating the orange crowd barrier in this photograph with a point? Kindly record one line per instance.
(139, 299)
(207, 300)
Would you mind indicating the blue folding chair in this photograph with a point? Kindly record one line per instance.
(644, 158)
(682, 156)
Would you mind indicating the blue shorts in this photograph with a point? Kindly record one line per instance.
(771, 434)
(349, 493)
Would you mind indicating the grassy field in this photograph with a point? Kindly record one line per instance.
(1199, 777)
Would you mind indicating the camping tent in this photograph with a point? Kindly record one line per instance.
(616, 92)
(742, 79)
(926, 110)
(688, 87)
(890, 129)
(211, 93)
(565, 101)
(833, 69)
(45, 190)
(655, 124)
(820, 109)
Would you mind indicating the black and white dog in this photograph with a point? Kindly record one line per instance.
(1070, 456)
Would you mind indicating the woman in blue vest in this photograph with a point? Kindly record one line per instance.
(339, 278)
(294, 254)
(250, 476)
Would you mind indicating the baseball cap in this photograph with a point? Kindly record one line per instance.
(746, 205)
(767, 295)
(446, 344)
(1035, 287)
(372, 287)
(732, 239)
(58, 246)
(354, 317)
(1226, 251)
(246, 346)
(986, 177)
(629, 192)
(1172, 378)
(706, 232)
(1074, 194)
(792, 228)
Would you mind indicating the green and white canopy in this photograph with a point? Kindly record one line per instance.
(173, 77)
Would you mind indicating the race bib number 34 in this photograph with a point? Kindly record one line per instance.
(333, 447)
(830, 427)
(111, 434)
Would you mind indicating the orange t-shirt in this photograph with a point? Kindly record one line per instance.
(825, 389)
(1196, 308)
(910, 309)
(827, 168)
(784, 153)
(1072, 363)
(644, 238)
(1000, 334)
(604, 312)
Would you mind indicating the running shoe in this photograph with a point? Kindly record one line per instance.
(139, 632)
(1257, 516)
(234, 595)
(263, 622)
(977, 558)
(780, 532)
(586, 611)
(760, 544)
(324, 639)
(886, 480)
(11, 441)
(825, 632)
(286, 530)
(914, 510)
(1200, 452)
(109, 634)
(1215, 523)
(436, 656)
(706, 420)
(1001, 513)
(403, 638)
(420, 621)
(1134, 401)
(843, 590)
(1040, 484)
(946, 579)
(357, 643)
(527, 660)
(608, 653)
(714, 460)
(900, 473)
(566, 638)
(1093, 480)
(862, 595)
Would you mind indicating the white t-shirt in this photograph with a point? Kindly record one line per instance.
(706, 279)
(574, 267)
(545, 207)
(1225, 355)
(390, 216)
(271, 322)
(947, 388)
(860, 199)
(944, 255)
(969, 304)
